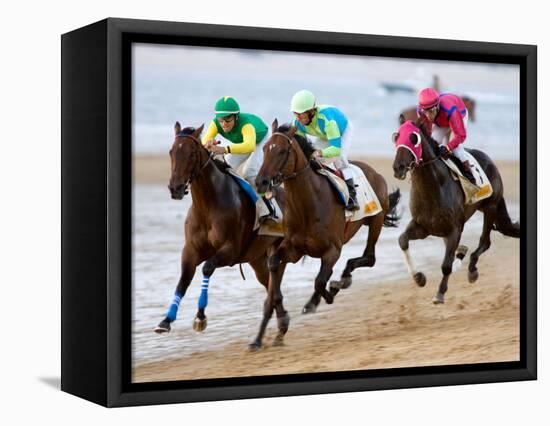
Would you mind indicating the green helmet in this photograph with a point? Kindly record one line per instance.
(302, 101)
(226, 106)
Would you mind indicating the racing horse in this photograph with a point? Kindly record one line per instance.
(438, 206)
(219, 224)
(469, 103)
(314, 220)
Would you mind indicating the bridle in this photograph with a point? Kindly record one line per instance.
(196, 173)
(279, 178)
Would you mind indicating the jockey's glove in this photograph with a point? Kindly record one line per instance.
(444, 152)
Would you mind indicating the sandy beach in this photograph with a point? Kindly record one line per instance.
(387, 324)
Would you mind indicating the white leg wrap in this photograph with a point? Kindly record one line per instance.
(456, 265)
(409, 262)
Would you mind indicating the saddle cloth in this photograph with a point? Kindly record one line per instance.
(273, 229)
(366, 197)
(472, 193)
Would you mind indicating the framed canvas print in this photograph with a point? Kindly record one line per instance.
(254, 212)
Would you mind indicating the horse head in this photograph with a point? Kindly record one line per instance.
(413, 147)
(188, 156)
(281, 152)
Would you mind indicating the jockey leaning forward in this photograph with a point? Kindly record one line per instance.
(446, 117)
(333, 132)
(247, 135)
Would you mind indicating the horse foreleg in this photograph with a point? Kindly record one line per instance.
(413, 232)
(189, 261)
(367, 259)
(327, 262)
(274, 298)
(219, 259)
(489, 216)
(262, 273)
(447, 266)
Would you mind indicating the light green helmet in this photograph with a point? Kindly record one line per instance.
(226, 106)
(302, 101)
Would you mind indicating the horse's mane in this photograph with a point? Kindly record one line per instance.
(431, 141)
(221, 165)
(304, 142)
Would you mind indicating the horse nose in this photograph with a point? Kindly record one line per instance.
(262, 183)
(399, 172)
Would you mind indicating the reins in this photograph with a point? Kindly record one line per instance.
(280, 178)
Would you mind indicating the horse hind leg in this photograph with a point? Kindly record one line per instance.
(489, 216)
(283, 319)
(368, 259)
(447, 266)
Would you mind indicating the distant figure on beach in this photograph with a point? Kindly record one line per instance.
(247, 134)
(333, 132)
(445, 118)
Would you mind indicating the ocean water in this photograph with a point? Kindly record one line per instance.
(183, 83)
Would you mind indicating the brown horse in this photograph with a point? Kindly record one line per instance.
(219, 224)
(411, 114)
(314, 220)
(437, 203)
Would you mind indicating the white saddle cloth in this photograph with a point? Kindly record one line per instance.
(369, 205)
(472, 193)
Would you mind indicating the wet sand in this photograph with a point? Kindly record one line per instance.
(387, 324)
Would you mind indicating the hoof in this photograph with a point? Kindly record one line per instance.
(282, 323)
(200, 325)
(163, 327)
(279, 340)
(309, 308)
(438, 299)
(328, 298)
(420, 279)
(473, 276)
(344, 282)
(461, 252)
(254, 347)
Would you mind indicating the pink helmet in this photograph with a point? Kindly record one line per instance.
(428, 98)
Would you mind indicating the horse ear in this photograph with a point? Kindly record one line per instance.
(415, 138)
(274, 126)
(401, 119)
(177, 128)
(198, 131)
(292, 131)
(394, 137)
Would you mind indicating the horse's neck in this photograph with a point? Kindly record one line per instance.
(208, 186)
(431, 179)
(302, 196)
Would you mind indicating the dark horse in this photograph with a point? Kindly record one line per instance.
(437, 203)
(410, 113)
(219, 224)
(314, 220)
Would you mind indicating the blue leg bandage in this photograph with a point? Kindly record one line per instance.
(173, 309)
(203, 298)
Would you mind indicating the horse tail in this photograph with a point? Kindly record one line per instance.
(503, 223)
(391, 219)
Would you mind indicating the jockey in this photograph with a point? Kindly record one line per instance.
(333, 132)
(246, 134)
(446, 117)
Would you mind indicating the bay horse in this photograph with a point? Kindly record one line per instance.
(314, 220)
(219, 224)
(469, 103)
(437, 203)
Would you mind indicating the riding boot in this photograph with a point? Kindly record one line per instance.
(468, 172)
(272, 212)
(352, 203)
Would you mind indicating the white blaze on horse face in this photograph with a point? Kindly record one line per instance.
(409, 262)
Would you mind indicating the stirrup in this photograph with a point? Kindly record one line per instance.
(352, 205)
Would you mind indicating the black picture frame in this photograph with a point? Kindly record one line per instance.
(96, 211)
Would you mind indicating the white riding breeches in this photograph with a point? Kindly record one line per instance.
(248, 165)
(443, 135)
